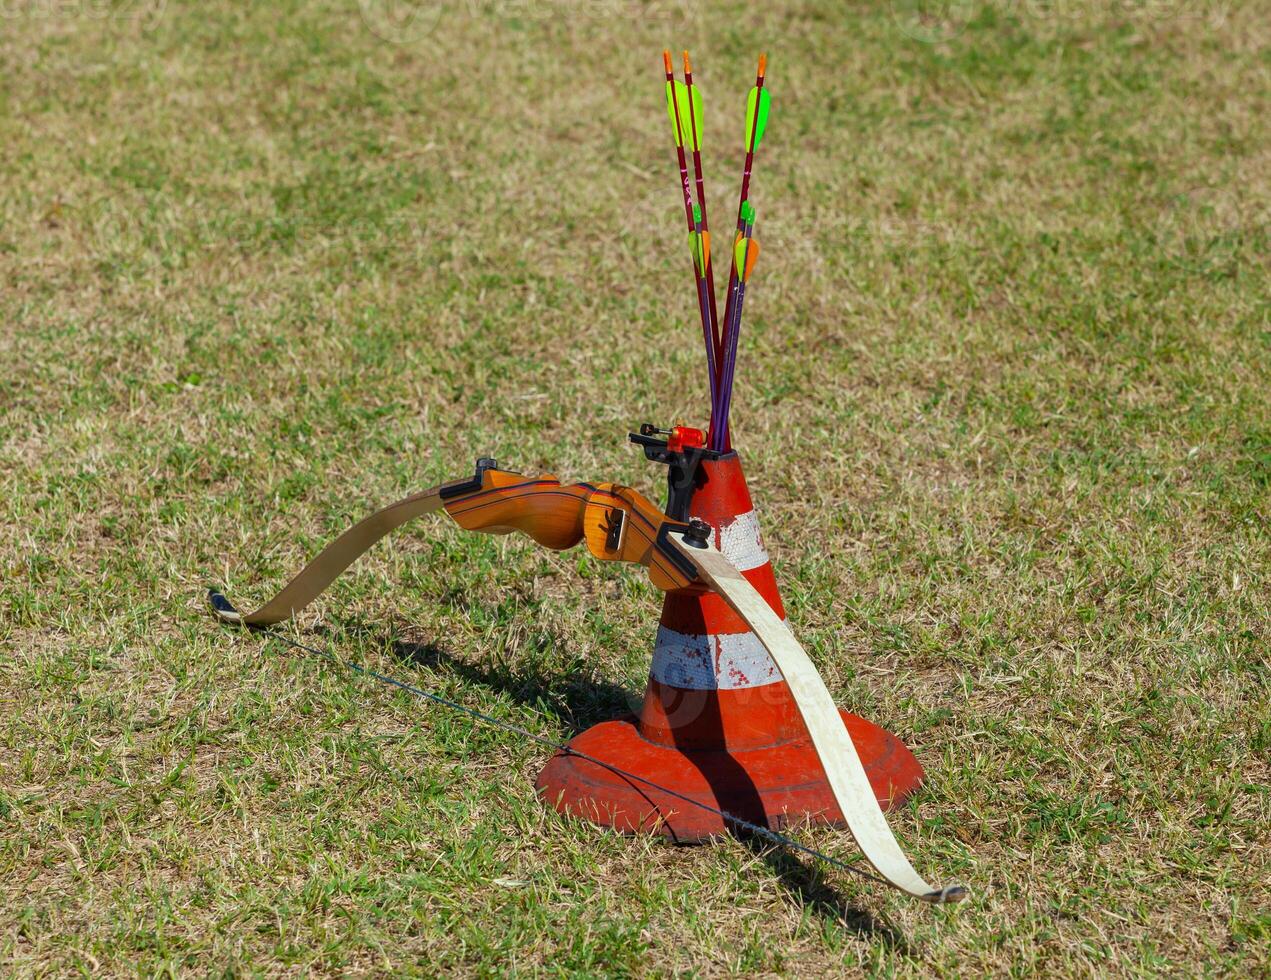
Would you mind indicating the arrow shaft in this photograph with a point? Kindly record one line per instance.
(700, 186)
(704, 303)
(728, 367)
(733, 322)
(730, 364)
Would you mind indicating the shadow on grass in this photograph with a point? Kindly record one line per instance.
(583, 702)
(799, 878)
(578, 702)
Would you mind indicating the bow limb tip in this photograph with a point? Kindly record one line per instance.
(224, 609)
(947, 896)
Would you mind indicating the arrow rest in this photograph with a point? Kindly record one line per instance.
(682, 453)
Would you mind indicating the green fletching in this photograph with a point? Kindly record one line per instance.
(756, 115)
(696, 143)
(671, 96)
(701, 258)
(686, 134)
(747, 213)
(697, 214)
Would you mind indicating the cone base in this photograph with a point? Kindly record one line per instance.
(778, 787)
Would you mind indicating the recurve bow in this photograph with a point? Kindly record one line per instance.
(618, 523)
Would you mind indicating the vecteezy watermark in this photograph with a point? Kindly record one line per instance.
(932, 21)
(1206, 220)
(147, 13)
(401, 21)
(408, 21)
(936, 21)
(1213, 12)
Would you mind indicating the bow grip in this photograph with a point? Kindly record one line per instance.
(503, 502)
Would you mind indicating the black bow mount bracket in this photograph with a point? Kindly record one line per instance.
(682, 450)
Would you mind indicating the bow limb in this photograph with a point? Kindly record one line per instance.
(331, 561)
(843, 768)
(618, 524)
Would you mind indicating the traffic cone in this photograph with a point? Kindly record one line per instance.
(718, 723)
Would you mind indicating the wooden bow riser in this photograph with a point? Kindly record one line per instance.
(616, 522)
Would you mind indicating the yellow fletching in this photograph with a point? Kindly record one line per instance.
(699, 245)
(745, 252)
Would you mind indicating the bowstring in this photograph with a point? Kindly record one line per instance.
(772, 836)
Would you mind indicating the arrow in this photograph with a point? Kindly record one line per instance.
(757, 104)
(695, 128)
(687, 128)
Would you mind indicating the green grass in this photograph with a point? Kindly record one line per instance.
(1003, 397)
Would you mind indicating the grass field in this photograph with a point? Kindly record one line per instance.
(1003, 396)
